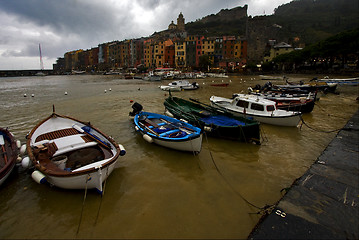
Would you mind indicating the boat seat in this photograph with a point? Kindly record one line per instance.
(56, 134)
(73, 142)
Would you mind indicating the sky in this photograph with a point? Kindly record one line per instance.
(60, 26)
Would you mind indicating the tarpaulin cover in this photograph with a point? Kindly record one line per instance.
(222, 121)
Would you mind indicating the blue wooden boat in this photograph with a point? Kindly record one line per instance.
(167, 131)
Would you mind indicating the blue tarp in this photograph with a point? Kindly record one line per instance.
(222, 121)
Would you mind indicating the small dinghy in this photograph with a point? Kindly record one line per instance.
(71, 154)
(8, 154)
(166, 131)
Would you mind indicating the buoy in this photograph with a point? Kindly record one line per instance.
(18, 144)
(38, 177)
(131, 101)
(65, 93)
(25, 163)
(147, 138)
(25, 95)
(122, 150)
(32, 95)
(110, 89)
(23, 149)
(105, 91)
(207, 129)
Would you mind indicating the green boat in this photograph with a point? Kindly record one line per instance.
(214, 122)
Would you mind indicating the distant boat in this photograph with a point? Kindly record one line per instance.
(265, 77)
(71, 154)
(8, 154)
(179, 85)
(151, 76)
(340, 81)
(75, 72)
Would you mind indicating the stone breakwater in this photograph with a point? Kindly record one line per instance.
(324, 202)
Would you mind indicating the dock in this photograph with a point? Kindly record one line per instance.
(324, 202)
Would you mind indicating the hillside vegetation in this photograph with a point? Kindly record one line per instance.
(308, 20)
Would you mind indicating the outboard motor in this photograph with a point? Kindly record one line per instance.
(136, 109)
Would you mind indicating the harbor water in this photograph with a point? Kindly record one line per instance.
(155, 192)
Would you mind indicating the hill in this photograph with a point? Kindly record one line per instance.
(299, 23)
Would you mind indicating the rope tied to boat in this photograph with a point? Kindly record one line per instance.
(317, 130)
(83, 204)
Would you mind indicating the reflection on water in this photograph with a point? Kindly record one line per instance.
(156, 192)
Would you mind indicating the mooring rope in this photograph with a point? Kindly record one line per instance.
(83, 205)
(265, 208)
(317, 130)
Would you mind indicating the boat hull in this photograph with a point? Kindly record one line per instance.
(90, 180)
(8, 154)
(193, 145)
(278, 117)
(168, 132)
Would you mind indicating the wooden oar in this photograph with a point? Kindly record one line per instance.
(92, 137)
(147, 128)
(184, 128)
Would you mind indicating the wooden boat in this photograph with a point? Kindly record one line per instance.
(219, 84)
(340, 81)
(216, 123)
(8, 154)
(267, 77)
(262, 110)
(297, 88)
(71, 154)
(290, 102)
(167, 131)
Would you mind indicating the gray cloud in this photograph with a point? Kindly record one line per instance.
(67, 25)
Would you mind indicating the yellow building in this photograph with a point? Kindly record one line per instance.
(148, 47)
(277, 50)
(180, 54)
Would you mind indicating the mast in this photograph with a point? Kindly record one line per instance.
(41, 62)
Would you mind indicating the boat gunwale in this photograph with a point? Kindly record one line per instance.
(196, 134)
(7, 168)
(60, 173)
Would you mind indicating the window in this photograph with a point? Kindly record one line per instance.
(257, 107)
(242, 104)
(270, 108)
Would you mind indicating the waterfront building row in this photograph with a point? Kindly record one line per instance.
(191, 52)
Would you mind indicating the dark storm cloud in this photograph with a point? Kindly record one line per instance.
(65, 25)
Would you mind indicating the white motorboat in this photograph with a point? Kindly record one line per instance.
(71, 154)
(262, 110)
(180, 85)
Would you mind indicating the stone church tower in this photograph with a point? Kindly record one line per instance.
(180, 22)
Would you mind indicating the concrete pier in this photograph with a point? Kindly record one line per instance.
(324, 202)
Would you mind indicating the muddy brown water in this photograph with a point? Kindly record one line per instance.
(156, 192)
